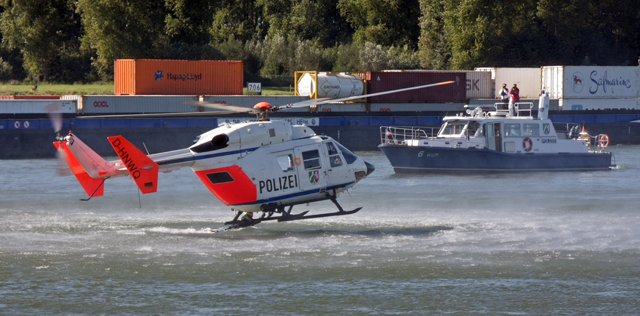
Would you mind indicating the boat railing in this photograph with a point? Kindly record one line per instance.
(522, 109)
(398, 135)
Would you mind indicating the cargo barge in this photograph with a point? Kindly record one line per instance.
(29, 135)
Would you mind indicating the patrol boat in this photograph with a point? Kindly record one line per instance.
(504, 140)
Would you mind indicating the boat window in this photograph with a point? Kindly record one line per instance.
(311, 159)
(512, 130)
(334, 157)
(349, 157)
(480, 131)
(472, 127)
(452, 128)
(285, 162)
(530, 130)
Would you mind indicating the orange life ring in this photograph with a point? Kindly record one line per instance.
(604, 140)
(527, 144)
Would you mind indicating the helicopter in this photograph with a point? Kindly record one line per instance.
(261, 166)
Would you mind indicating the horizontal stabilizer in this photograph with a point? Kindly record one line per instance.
(92, 186)
(142, 169)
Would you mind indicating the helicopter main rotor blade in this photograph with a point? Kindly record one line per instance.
(325, 101)
(168, 114)
(221, 106)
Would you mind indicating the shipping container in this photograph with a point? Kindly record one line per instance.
(328, 85)
(589, 82)
(478, 84)
(35, 106)
(416, 107)
(339, 107)
(29, 97)
(178, 77)
(599, 104)
(120, 104)
(249, 101)
(386, 81)
(527, 79)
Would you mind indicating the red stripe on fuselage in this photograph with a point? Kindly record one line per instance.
(240, 191)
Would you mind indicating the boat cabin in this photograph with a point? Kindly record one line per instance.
(510, 131)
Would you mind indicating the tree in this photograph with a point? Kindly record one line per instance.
(384, 22)
(117, 29)
(241, 18)
(39, 29)
(434, 49)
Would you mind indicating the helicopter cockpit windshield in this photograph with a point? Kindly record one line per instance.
(348, 155)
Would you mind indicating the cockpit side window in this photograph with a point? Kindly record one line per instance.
(334, 157)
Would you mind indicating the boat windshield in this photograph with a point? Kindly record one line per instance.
(453, 128)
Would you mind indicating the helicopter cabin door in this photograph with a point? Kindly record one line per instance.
(337, 170)
(311, 167)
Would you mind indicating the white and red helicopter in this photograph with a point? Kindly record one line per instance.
(263, 166)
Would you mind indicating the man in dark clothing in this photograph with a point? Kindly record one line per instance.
(515, 93)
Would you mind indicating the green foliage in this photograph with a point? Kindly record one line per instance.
(6, 70)
(385, 22)
(119, 29)
(462, 34)
(242, 19)
(78, 40)
(39, 29)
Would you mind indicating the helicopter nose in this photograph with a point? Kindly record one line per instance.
(370, 168)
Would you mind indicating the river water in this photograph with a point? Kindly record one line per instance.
(536, 243)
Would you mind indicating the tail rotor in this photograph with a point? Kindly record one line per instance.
(54, 111)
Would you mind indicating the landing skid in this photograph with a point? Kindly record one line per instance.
(285, 216)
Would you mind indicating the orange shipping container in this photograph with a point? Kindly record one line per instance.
(178, 77)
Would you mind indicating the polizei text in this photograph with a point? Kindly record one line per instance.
(277, 184)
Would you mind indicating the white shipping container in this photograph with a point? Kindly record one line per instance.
(599, 104)
(340, 107)
(35, 106)
(76, 98)
(115, 104)
(415, 107)
(479, 85)
(527, 79)
(583, 82)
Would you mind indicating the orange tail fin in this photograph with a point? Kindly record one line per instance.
(141, 168)
(92, 186)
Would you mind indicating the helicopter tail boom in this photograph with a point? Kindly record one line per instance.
(92, 186)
